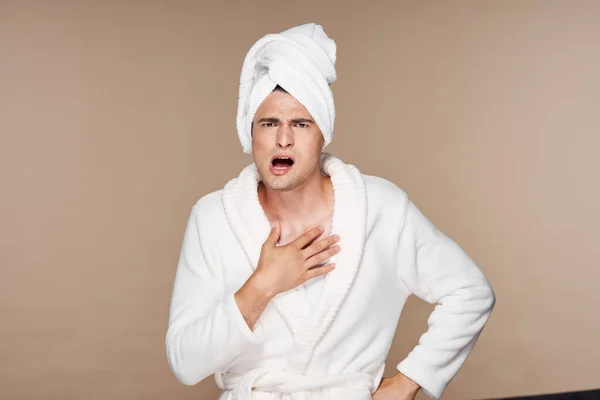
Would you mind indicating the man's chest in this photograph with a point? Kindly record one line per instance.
(289, 233)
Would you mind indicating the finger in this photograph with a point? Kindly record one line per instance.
(315, 272)
(319, 246)
(322, 256)
(307, 237)
(274, 234)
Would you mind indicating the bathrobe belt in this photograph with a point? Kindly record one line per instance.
(279, 382)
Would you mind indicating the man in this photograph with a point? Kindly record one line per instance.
(291, 278)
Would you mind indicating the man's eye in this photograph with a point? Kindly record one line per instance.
(301, 125)
(268, 124)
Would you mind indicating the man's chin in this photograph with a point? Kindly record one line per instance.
(279, 185)
(279, 188)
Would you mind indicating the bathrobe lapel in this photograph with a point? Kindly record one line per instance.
(251, 228)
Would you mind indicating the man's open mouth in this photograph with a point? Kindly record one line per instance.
(281, 163)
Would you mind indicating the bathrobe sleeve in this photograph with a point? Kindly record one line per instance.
(206, 328)
(438, 271)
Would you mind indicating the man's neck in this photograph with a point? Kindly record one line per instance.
(304, 203)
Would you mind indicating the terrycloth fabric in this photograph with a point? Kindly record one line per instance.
(297, 351)
(281, 384)
(302, 61)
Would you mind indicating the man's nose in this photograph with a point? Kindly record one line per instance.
(285, 136)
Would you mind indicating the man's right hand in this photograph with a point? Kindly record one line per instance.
(281, 268)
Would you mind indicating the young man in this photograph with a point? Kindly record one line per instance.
(292, 278)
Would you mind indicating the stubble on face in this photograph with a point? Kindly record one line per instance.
(287, 182)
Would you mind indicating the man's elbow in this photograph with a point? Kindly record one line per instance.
(185, 373)
(187, 380)
(480, 296)
(487, 297)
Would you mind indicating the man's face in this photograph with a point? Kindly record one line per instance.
(283, 126)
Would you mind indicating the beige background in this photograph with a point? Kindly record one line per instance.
(116, 116)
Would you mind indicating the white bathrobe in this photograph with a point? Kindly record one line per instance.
(336, 348)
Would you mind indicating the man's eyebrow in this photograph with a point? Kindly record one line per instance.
(293, 121)
(301, 120)
(273, 120)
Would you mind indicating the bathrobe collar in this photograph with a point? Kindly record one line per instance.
(251, 227)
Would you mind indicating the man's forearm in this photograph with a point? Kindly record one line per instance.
(405, 384)
(252, 299)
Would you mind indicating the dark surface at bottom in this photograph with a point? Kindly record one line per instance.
(582, 395)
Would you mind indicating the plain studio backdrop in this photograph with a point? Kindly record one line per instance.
(117, 116)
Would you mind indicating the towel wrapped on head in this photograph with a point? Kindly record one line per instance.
(302, 61)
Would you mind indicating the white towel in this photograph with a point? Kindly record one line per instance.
(302, 61)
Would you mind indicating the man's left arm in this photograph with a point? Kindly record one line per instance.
(437, 270)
